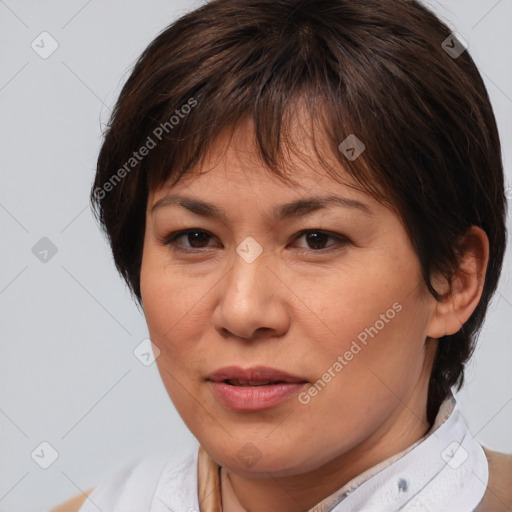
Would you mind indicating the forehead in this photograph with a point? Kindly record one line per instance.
(233, 161)
(234, 179)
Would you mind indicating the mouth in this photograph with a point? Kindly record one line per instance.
(253, 389)
(253, 376)
(244, 383)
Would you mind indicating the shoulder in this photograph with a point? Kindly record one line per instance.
(134, 486)
(498, 497)
(74, 504)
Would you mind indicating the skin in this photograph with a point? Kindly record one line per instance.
(295, 308)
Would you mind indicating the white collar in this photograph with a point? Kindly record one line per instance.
(444, 471)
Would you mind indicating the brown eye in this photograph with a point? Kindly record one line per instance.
(316, 241)
(195, 238)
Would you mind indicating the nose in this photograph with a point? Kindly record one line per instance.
(252, 302)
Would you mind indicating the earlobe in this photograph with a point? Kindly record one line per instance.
(463, 295)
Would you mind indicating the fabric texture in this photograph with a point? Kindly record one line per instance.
(445, 471)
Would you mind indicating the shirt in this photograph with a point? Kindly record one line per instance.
(445, 471)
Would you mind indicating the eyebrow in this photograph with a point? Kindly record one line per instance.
(297, 208)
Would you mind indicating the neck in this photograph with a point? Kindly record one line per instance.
(299, 493)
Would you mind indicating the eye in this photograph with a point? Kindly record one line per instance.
(317, 239)
(197, 240)
(196, 237)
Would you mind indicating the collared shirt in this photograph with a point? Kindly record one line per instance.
(444, 471)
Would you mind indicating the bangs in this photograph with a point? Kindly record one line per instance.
(298, 126)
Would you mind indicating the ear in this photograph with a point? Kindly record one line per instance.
(462, 296)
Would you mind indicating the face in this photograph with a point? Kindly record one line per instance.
(328, 299)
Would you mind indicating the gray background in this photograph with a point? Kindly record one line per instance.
(68, 375)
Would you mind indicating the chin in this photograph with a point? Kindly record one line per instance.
(257, 460)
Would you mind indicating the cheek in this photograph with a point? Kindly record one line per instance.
(375, 318)
(359, 300)
(171, 300)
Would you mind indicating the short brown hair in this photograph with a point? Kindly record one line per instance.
(370, 68)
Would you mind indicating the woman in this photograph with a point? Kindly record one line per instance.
(307, 200)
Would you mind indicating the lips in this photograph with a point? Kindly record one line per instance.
(254, 376)
(253, 389)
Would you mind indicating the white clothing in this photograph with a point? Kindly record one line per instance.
(445, 471)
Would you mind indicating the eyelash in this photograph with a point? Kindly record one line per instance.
(171, 241)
